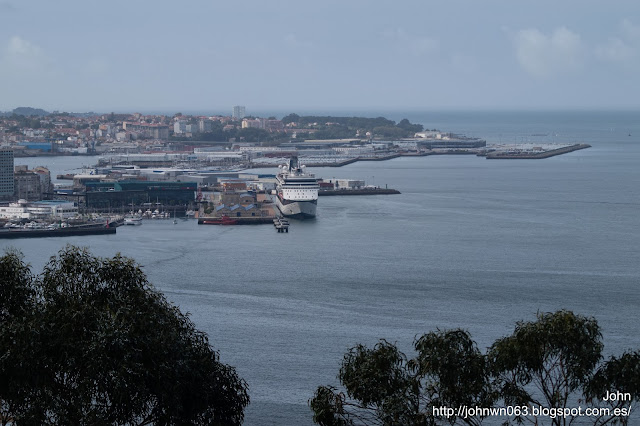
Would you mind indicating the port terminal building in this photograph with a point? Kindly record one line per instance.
(450, 143)
(126, 193)
(42, 210)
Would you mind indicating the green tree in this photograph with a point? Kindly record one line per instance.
(384, 387)
(251, 134)
(291, 118)
(453, 372)
(390, 132)
(89, 341)
(553, 362)
(616, 375)
(410, 128)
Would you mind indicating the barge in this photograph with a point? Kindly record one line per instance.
(223, 220)
(68, 231)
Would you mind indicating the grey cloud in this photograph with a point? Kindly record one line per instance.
(544, 55)
(412, 44)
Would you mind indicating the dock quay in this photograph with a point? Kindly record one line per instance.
(353, 160)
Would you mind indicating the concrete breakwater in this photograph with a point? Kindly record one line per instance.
(535, 155)
(369, 191)
(353, 160)
(480, 152)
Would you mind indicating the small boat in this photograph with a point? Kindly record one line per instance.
(222, 220)
(133, 220)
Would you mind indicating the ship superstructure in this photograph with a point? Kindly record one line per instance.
(297, 191)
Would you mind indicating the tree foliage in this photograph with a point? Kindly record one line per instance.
(329, 127)
(89, 341)
(251, 134)
(413, 128)
(291, 118)
(380, 390)
(453, 372)
(546, 362)
(554, 362)
(384, 387)
(390, 132)
(618, 374)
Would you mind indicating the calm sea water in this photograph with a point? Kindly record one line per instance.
(470, 243)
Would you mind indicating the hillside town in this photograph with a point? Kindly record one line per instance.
(220, 140)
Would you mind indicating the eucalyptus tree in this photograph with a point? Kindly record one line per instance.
(384, 387)
(553, 369)
(547, 372)
(90, 341)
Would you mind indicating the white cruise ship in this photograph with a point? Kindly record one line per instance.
(297, 191)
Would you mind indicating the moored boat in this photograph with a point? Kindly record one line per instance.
(133, 220)
(222, 220)
(297, 191)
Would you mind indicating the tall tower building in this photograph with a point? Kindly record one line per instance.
(238, 112)
(6, 173)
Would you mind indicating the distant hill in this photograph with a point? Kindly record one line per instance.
(38, 112)
(328, 127)
(26, 111)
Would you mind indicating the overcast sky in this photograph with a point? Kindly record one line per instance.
(135, 55)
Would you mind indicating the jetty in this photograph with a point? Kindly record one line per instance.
(281, 224)
(529, 155)
(362, 191)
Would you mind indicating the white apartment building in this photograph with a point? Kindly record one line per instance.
(179, 127)
(51, 209)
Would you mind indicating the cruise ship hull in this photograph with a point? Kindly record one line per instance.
(297, 191)
(297, 209)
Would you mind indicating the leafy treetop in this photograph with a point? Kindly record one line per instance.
(89, 341)
(554, 361)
